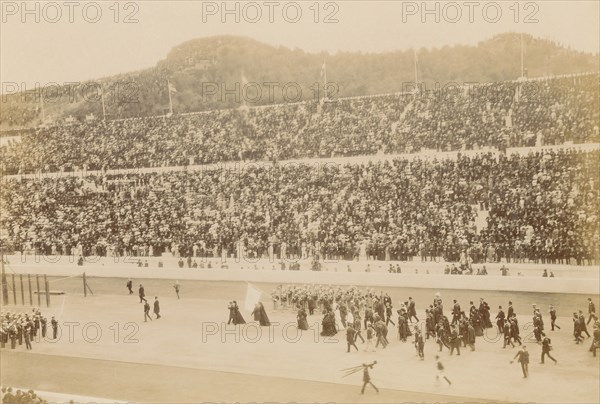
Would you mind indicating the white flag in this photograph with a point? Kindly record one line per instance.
(252, 297)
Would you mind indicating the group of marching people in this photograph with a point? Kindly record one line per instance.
(19, 328)
(366, 315)
(259, 314)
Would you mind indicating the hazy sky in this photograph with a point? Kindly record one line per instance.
(70, 44)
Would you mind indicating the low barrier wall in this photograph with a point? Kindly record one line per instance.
(494, 281)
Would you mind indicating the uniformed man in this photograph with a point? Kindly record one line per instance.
(27, 335)
(44, 325)
(130, 286)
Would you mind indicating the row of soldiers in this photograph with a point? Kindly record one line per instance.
(19, 328)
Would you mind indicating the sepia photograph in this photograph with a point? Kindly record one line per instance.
(310, 201)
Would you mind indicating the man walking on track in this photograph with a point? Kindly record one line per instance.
(176, 286)
(440, 369)
(546, 348)
(142, 294)
(367, 377)
(147, 312)
(523, 356)
(591, 310)
(156, 307)
(130, 286)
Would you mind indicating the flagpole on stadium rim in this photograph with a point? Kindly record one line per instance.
(522, 63)
(325, 79)
(416, 70)
(103, 107)
(170, 100)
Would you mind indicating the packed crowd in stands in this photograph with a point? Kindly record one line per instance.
(542, 207)
(21, 397)
(507, 114)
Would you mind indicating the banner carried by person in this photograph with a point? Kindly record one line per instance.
(252, 297)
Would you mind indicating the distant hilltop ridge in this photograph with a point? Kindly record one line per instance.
(231, 71)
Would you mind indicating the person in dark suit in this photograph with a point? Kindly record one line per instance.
(454, 341)
(142, 294)
(147, 311)
(591, 310)
(514, 329)
(553, 318)
(577, 329)
(582, 324)
(54, 325)
(156, 307)
(412, 310)
(510, 311)
(546, 348)
(455, 312)
(471, 336)
(350, 334)
(130, 286)
(523, 356)
(500, 319)
(368, 316)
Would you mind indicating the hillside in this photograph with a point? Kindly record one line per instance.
(205, 66)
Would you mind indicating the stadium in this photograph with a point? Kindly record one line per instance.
(178, 251)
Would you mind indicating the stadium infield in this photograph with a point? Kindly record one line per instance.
(192, 350)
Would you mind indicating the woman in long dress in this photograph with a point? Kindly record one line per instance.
(328, 324)
(256, 312)
(301, 317)
(263, 318)
(237, 316)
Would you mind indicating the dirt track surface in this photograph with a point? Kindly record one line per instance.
(138, 361)
(142, 383)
